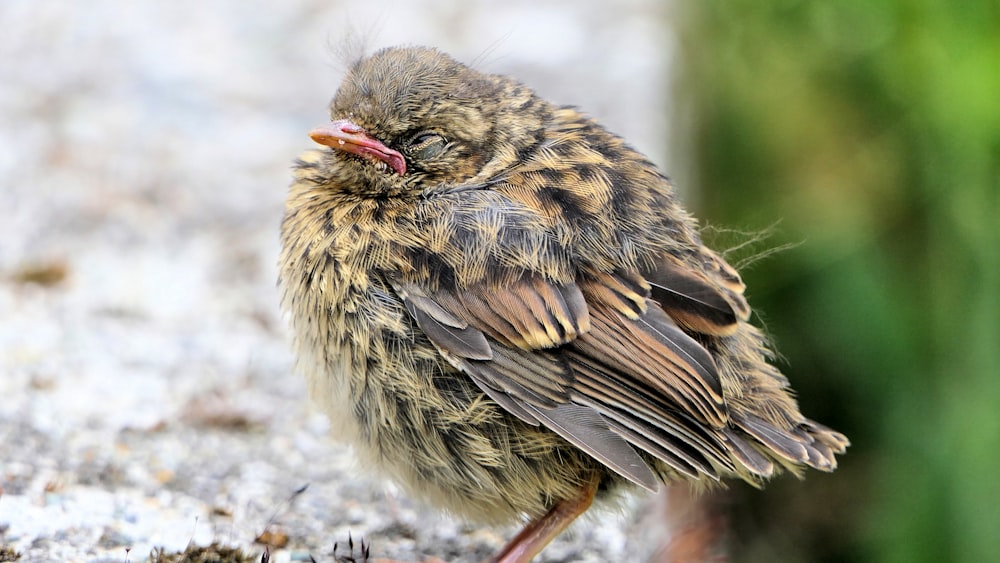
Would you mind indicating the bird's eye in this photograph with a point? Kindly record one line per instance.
(426, 145)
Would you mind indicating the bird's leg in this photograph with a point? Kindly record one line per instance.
(542, 530)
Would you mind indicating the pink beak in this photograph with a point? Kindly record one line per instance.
(345, 136)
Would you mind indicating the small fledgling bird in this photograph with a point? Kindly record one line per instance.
(503, 306)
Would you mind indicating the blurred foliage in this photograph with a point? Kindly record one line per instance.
(871, 129)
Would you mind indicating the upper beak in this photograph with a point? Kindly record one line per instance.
(346, 136)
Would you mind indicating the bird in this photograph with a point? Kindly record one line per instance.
(506, 309)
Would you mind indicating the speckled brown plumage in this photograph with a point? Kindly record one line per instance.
(501, 304)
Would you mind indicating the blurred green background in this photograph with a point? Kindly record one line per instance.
(872, 128)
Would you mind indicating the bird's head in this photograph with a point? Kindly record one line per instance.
(410, 120)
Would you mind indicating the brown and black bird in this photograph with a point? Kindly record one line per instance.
(503, 306)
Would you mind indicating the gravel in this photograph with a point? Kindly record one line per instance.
(146, 391)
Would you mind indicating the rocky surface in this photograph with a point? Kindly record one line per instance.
(146, 391)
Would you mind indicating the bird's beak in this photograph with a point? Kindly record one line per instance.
(345, 136)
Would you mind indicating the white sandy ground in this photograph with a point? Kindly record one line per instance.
(147, 399)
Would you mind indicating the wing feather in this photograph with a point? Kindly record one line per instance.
(597, 361)
(589, 431)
